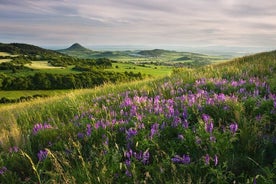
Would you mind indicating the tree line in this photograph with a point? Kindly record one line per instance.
(47, 81)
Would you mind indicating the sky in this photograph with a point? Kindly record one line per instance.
(189, 23)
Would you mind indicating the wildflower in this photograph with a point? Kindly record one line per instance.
(3, 170)
(198, 140)
(216, 160)
(154, 129)
(209, 127)
(88, 129)
(42, 154)
(131, 132)
(128, 154)
(185, 124)
(146, 157)
(233, 127)
(185, 159)
(180, 136)
(207, 159)
(128, 163)
(80, 135)
(208, 123)
(38, 127)
(205, 118)
(213, 139)
(128, 173)
(14, 149)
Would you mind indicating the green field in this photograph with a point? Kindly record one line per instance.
(5, 60)
(147, 69)
(5, 54)
(19, 93)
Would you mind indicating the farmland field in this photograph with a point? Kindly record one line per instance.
(5, 54)
(5, 60)
(147, 69)
(20, 93)
(42, 65)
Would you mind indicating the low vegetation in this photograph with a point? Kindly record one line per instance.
(214, 124)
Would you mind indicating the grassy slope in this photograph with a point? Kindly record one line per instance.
(70, 103)
(17, 120)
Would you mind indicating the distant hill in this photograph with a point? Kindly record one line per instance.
(154, 53)
(27, 49)
(75, 47)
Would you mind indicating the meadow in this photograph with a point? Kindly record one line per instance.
(214, 124)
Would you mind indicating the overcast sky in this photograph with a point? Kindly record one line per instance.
(249, 23)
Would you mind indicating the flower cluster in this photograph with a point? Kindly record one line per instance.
(3, 170)
(39, 127)
(185, 159)
(42, 155)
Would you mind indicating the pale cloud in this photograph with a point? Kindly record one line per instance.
(186, 22)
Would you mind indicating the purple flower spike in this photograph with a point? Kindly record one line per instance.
(205, 118)
(233, 127)
(185, 159)
(207, 159)
(42, 154)
(3, 170)
(146, 156)
(88, 129)
(216, 160)
(38, 127)
(209, 127)
(180, 136)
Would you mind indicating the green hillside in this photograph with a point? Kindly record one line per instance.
(159, 56)
(214, 124)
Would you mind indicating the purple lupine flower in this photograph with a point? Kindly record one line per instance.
(80, 135)
(128, 173)
(88, 129)
(185, 159)
(213, 139)
(209, 127)
(208, 123)
(205, 118)
(154, 130)
(233, 127)
(3, 170)
(216, 160)
(42, 154)
(185, 123)
(131, 132)
(207, 159)
(13, 149)
(198, 140)
(128, 154)
(176, 159)
(38, 127)
(180, 136)
(128, 163)
(146, 156)
(138, 156)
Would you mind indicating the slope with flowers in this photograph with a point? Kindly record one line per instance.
(214, 124)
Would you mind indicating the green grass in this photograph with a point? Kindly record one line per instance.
(4, 60)
(5, 54)
(17, 94)
(147, 69)
(42, 65)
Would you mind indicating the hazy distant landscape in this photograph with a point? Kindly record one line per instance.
(148, 91)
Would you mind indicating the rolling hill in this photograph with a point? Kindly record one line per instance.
(214, 124)
(27, 49)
